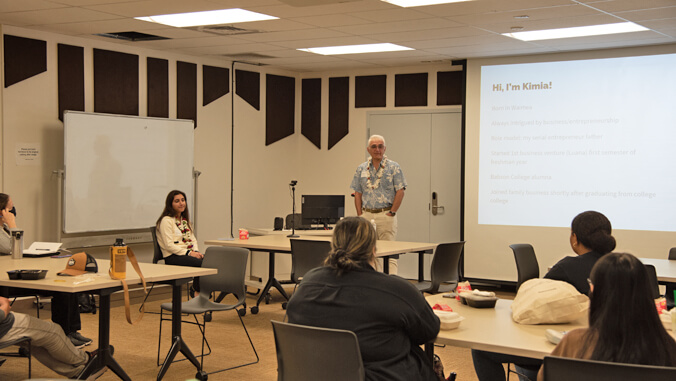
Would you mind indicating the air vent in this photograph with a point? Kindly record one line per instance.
(132, 36)
(225, 30)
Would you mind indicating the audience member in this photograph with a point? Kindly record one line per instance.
(388, 314)
(175, 235)
(623, 323)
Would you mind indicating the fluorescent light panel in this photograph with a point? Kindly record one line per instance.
(420, 3)
(223, 16)
(580, 31)
(355, 49)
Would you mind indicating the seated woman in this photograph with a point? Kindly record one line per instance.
(389, 315)
(175, 236)
(590, 239)
(623, 322)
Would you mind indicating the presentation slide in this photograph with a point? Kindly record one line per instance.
(558, 138)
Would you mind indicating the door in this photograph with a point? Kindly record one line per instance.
(428, 146)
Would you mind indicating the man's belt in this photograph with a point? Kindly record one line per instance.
(379, 210)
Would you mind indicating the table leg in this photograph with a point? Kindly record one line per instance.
(103, 356)
(272, 282)
(386, 265)
(178, 345)
(421, 266)
(429, 350)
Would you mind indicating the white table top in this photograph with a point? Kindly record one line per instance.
(492, 329)
(282, 244)
(52, 282)
(666, 269)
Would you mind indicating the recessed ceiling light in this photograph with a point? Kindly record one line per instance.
(355, 49)
(223, 16)
(420, 3)
(580, 31)
(522, 17)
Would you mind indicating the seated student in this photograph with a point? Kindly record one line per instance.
(623, 323)
(590, 239)
(389, 315)
(175, 236)
(49, 344)
(65, 308)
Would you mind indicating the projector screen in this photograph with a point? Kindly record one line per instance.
(549, 137)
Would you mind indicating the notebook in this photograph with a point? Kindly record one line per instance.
(42, 249)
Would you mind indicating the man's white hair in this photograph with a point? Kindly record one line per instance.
(376, 137)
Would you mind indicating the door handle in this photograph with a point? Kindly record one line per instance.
(436, 209)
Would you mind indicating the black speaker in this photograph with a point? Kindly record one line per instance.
(279, 223)
(297, 219)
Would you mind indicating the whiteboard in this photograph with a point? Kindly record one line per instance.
(119, 169)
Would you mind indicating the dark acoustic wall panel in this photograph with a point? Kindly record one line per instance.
(186, 91)
(450, 87)
(280, 105)
(215, 83)
(248, 87)
(71, 78)
(158, 87)
(116, 82)
(410, 90)
(311, 110)
(24, 58)
(339, 109)
(370, 90)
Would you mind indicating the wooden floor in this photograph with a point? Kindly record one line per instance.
(136, 345)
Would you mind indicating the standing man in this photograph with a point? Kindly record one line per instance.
(379, 186)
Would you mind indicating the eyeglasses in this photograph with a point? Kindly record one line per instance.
(379, 146)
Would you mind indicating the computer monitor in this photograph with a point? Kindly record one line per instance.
(322, 209)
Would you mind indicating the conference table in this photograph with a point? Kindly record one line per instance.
(100, 283)
(665, 268)
(282, 244)
(493, 330)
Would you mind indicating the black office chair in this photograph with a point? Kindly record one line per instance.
(671, 287)
(231, 265)
(306, 255)
(157, 251)
(652, 277)
(526, 263)
(24, 350)
(314, 353)
(566, 369)
(444, 268)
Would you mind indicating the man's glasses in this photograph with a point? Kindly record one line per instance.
(379, 146)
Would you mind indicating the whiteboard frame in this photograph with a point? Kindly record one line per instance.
(182, 132)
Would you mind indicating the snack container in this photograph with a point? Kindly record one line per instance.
(243, 234)
(448, 319)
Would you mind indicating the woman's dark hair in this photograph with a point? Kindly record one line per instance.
(4, 199)
(593, 230)
(169, 207)
(623, 320)
(353, 244)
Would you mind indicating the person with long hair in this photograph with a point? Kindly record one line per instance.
(175, 235)
(7, 222)
(590, 238)
(623, 323)
(388, 314)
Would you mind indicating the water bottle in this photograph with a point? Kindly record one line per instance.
(118, 259)
(16, 244)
